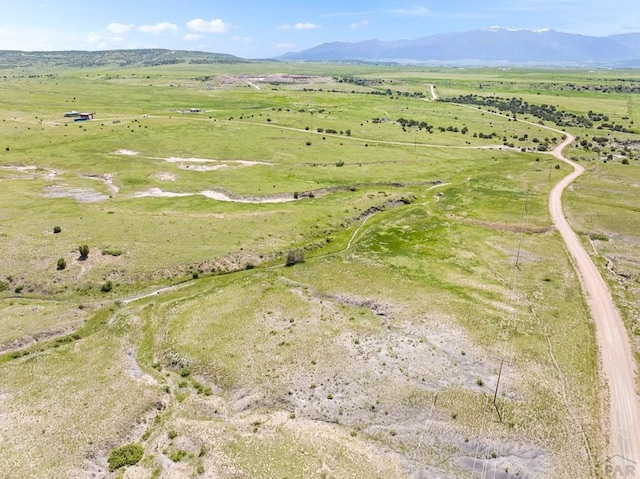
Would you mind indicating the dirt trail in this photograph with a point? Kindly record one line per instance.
(616, 358)
(434, 94)
(617, 362)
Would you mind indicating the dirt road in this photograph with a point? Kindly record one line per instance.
(616, 359)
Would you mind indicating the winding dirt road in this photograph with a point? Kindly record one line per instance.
(617, 362)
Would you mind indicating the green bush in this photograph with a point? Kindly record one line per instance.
(295, 256)
(62, 264)
(112, 252)
(127, 455)
(84, 251)
(57, 229)
(177, 456)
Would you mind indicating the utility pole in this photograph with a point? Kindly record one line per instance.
(495, 395)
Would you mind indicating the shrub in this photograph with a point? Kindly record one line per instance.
(127, 455)
(177, 456)
(57, 229)
(106, 287)
(3, 286)
(295, 256)
(112, 252)
(62, 264)
(408, 199)
(340, 163)
(625, 161)
(84, 251)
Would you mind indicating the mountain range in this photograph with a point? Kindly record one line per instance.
(492, 45)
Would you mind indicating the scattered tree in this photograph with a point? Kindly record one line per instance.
(295, 256)
(62, 264)
(57, 229)
(84, 252)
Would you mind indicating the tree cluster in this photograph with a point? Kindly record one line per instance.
(519, 107)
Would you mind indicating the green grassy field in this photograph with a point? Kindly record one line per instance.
(431, 271)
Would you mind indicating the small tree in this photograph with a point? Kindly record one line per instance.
(62, 264)
(295, 256)
(57, 229)
(84, 252)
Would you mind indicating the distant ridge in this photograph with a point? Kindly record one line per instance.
(493, 45)
(111, 58)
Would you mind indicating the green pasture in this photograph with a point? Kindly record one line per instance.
(430, 261)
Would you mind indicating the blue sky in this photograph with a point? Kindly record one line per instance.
(261, 29)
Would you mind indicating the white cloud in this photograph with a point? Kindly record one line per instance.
(192, 37)
(418, 11)
(214, 26)
(360, 24)
(285, 46)
(120, 28)
(284, 26)
(103, 42)
(159, 28)
(306, 26)
(241, 39)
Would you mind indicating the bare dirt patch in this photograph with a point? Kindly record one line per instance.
(165, 176)
(30, 172)
(272, 78)
(107, 179)
(203, 164)
(81, 195)
(125, 152)
(214, 195)
(159, 193)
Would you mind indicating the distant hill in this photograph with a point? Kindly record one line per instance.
(493, 45)
(111, 58)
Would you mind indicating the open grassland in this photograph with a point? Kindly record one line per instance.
(431, 271)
